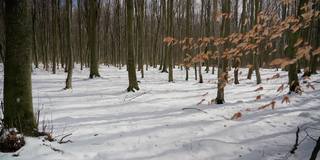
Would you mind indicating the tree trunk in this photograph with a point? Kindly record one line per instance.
(80, 35)
(133, 84)
(291, 52)
(34, 37)
(92, 38)
(18, 109)
(68, 44)
(170, 33)
(223, 62)
(188, 33)
(256, 55)
(54, 34)
(140, 34)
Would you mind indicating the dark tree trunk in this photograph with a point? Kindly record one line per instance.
(223, 62)
(68, 44)
(18, 109)
(133, 84)
(170, 33)
(92, 38)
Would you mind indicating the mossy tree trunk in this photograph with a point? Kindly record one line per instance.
(18, 109)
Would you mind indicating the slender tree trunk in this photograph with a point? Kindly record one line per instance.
(170, 33)
(133, 84)
(80, 34)
(140, 34)
(34, 37)
(188, 33)
(256, 55)
(236, 70)
(251, 57)
(68, 44)
(54, 35)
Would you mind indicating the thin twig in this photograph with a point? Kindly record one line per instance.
(309, 135)
(61, 140)
(195, 109)
(135, 96)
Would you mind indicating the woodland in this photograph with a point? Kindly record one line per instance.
(160, 79)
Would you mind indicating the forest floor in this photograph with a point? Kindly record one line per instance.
(107, 123)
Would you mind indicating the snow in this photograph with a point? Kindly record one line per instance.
(106, 122)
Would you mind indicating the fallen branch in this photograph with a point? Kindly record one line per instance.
(61, 140)
(195, 109)
(205, 94)
(202, 100)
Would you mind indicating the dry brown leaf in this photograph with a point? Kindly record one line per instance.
(285, 99)
(236, 116)
(258, 97)
(273, 104)
(280, 89)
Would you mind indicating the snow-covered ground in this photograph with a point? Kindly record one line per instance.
(107, 123)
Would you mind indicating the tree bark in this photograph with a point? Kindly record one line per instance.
(170, 33)
(92, 38)
(133, 84)
(223, 62)
(18, 108)
(68, 44)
